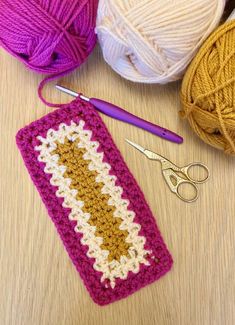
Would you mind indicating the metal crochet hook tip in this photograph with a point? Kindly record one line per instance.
(72, 93)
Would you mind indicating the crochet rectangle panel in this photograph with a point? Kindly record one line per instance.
(95, 203)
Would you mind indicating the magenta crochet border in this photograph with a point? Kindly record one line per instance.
(27, 140)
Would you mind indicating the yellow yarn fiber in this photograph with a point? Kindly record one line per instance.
(208, 90)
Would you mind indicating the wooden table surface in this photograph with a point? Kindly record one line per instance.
(39, 284)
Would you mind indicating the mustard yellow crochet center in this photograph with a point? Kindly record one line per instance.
(95, 202)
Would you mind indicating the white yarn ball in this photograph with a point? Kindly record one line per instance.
(153, 41)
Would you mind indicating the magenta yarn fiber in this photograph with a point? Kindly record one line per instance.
(52, 37)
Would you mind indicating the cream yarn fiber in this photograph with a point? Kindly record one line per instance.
(153, 41)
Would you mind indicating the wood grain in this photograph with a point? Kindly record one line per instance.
(39, 284)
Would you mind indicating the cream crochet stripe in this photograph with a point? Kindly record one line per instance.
(137, 253)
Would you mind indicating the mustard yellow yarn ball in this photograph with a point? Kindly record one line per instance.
(208, 90)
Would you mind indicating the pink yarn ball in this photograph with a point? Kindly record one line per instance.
(51, 37)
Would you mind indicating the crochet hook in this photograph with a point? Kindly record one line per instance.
(120, 114)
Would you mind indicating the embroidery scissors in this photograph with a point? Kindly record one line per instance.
(176, 176)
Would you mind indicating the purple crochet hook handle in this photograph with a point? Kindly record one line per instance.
(120, 114)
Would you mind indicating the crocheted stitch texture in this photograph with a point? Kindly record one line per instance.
(95, 203)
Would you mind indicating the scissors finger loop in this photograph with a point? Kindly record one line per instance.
(191, 198)
(186, 171)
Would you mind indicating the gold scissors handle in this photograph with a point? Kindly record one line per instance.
(185, 171)
(174, 180)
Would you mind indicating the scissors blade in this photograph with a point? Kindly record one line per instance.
(151, 155)
(137, 146)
